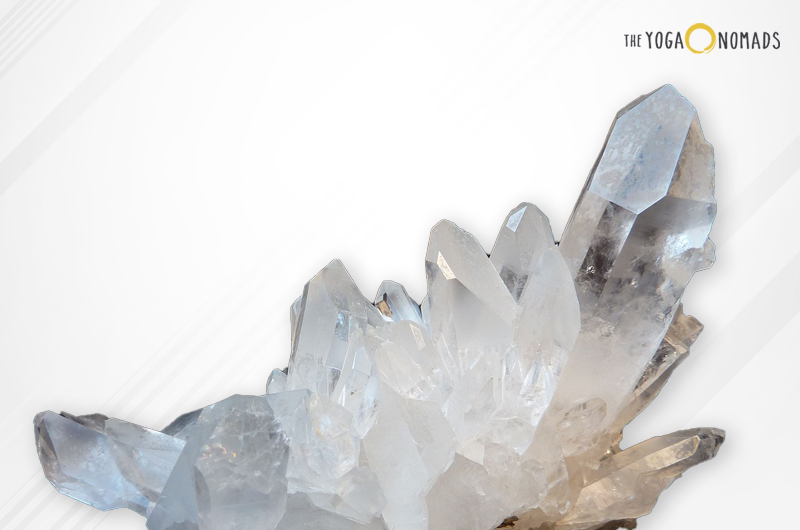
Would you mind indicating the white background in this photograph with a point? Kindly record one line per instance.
(173, 172)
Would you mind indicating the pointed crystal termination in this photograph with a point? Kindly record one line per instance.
(471, 310)
(627, 485)
(637, 235)
(276, 382)
(104, 462)
(393, 302)
(525, 236)
(330, 355)
(547, 321)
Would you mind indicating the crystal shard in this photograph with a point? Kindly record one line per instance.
(627, 485)
(104, 462)
(499, 400)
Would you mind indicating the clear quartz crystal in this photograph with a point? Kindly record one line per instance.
(104, 462)
(276, 382)
(501, 398)
(627, 485)
(637, 235)
(393, 301)
(214, 484)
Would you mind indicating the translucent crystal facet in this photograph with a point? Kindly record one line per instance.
(637, 235)
(213, 484)
(105, 462)
(500, 399)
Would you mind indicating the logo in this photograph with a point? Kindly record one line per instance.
(705, 27)
(701, 39)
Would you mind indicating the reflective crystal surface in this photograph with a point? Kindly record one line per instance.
(104, 462)
(500, 399)
(637, 235)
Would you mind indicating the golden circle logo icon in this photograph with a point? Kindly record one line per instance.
(704, 27)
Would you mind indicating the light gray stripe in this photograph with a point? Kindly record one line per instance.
(199, 327)
(33, 42)
(18, 490)
(24, 501)
(36, 512)
(89, 90)
(12, 14)
(248, 272)
(17, 37)
(230, 358)
(73, 106)
(99, 522)
(20, 16)
(732, 217)
(230, 317)
(235, 369)
(84, 521)
(764, 316)
(69, 514)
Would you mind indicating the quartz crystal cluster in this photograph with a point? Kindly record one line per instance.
(500, 400)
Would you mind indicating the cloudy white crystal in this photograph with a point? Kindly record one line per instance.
(502, 397)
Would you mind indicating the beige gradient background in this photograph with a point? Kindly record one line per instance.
(172, 172)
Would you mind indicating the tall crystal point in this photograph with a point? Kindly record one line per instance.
(637, 235)
(500, 400)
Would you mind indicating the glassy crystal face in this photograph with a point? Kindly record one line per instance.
(500, 399)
